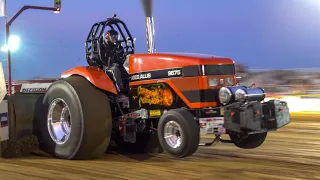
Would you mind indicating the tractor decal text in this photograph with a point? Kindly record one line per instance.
(26, 90)
(157, 74)
(141, 76)
(174, 73)
(155, 113)
(154, 96)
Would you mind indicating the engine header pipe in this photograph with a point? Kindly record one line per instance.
(147, 6)
(8, 25)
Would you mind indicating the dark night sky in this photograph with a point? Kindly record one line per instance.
(260, 33)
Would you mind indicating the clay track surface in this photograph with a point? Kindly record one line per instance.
(291, 153)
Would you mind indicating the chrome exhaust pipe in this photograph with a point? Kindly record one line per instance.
(150, 34)
(147, 6)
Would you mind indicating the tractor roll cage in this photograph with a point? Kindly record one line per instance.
(96, 33)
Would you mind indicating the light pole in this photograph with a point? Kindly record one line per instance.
(13, 44)
(55, 9)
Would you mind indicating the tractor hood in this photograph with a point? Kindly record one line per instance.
(157, 61)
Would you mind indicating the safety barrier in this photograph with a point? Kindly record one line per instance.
(304, 103)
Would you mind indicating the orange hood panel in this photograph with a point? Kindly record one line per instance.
(157, 61)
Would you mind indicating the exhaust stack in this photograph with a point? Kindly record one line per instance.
(150, 34)
(147, 6)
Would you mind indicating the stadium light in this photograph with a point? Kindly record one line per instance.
(13, 44)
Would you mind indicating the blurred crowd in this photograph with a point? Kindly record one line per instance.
(281, 82)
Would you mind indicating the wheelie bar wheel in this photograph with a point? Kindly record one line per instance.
(178, 133)
(249, 141)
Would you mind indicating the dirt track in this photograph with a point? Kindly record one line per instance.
(291, 153)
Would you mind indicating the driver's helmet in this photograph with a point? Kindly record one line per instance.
(111, 37)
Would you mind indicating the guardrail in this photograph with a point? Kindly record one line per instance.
(304, 103)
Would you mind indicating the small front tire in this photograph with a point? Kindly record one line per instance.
(178, 133)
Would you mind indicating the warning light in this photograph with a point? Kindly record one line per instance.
(57, 11)
(57, 6)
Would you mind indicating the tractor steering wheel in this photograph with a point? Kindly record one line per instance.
(128, 49)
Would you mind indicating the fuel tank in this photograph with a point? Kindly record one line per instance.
(172, 80)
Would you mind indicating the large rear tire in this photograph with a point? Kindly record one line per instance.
(87, 134)
(178, 133)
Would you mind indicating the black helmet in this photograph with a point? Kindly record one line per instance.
(112, 36)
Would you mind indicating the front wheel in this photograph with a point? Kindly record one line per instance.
(249, 141)
(178, 133)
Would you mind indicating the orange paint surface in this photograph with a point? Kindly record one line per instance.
(156, 61)
(95, 75)
(178, 92)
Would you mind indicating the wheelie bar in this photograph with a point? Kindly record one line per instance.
(215, 141)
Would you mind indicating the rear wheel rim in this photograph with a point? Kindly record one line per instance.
(173, 134)
(59, 121)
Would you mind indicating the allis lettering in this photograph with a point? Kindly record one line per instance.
(141, 76)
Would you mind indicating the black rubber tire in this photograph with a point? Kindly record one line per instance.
(190, 132)
(91, 121)
(145, 143)
(250, 142)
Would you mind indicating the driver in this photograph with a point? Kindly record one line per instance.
(113, 53)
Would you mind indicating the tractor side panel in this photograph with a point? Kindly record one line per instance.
(194, 91)
(185, 89)
(187, 82)
(95, 75)
(154, 96)
(197, 91)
